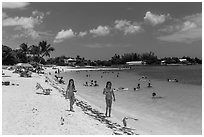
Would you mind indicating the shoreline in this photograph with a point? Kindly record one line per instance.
(149, 112)
(40, 114)
(93, 108)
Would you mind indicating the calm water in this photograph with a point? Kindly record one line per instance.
(191, 74)
(179, 111)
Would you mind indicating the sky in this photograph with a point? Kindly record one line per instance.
(98, 30)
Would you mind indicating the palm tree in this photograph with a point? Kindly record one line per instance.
(45, 49)
(24, 49)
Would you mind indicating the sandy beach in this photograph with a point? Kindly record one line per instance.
(26, 113)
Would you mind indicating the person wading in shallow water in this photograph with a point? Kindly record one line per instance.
(109, 94)
(70, 93)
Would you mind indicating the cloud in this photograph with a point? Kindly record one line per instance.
(14, 5)
(100, 31)
(155, 19)
(28, 32)
(24, 22)
(127, 27)
(64, 34)
(82, 34)
(26, 25)
(187, 30)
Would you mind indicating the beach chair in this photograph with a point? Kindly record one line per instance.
(45, 91)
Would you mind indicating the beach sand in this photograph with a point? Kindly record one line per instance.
(25, 112)
(176, 111)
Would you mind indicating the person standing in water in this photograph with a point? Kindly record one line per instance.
(109, 94)
(70, 93)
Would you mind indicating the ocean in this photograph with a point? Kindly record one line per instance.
(187, 74)
(176, 111)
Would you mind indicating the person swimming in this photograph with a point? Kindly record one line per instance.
(95, 83)
(86, 84)
(138, 86)
(149, 85)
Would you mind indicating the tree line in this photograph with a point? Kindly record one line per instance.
(36, 53)
(25, 53)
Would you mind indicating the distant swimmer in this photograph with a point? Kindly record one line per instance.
(172, 80)
(86, 84)
(138, 86)
(92, 84)
(144, 77)
(154, 95)
(149, 85)
(95, 83)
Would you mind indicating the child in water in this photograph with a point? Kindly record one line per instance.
(70, 93)
(109, 94)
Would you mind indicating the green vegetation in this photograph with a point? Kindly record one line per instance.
(25, 54)
(36, 53)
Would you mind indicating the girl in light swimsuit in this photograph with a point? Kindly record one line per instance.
(70, 93)
(109, 94)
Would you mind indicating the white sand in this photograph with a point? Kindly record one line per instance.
(25, 112)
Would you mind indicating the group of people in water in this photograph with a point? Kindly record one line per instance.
(108, 91)
(92, 84)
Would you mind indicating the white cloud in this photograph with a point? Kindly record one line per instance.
(187, 30)
(82, 34)
(100, 31)
(155, 19)
(64, 34)
(24, 22)
(127, 27)
(26, 25)
(28, 33)
(14, 5)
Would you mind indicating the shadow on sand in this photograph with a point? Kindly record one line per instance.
(117, 128)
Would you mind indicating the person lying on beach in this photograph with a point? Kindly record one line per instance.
(109, 94)
(70, 93)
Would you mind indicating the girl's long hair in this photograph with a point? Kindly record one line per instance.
(73, 86)
(108, 83)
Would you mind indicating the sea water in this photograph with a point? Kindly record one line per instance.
(177, 110)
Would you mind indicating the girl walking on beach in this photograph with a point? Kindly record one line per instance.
(108, 92)
(70, 93)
